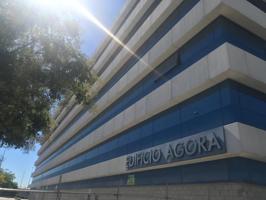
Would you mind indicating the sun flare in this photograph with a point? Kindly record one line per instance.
(75, 6)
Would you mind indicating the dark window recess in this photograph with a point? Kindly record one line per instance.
(169, 64)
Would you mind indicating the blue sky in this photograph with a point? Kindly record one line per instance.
(106, 11)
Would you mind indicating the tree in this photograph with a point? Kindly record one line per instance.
(7, 179)
(40, 64)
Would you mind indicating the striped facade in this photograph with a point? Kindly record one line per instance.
(200, 67)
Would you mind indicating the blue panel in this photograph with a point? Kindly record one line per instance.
(166, 120)
(254, 103)
(201, 105)
(228, 96)
(239, 170)
(252, 118)
(205, 172)
(201, 123)
(257, 172)
(227, 31)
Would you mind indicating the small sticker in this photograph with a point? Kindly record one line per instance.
(131, 179)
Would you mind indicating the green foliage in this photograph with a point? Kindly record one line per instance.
(7, 179)
(40, 64)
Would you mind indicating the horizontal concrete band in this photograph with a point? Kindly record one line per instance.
(241, 141)
(147, 28)
(65, 110)
(225, 62)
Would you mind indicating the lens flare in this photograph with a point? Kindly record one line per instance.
(76, 7)
(86, 13)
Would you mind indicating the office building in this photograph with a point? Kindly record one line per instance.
(180, 113)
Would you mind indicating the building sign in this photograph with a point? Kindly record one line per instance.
(207, 143)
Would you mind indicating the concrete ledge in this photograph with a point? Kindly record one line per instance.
(75, 110)
(58, 121)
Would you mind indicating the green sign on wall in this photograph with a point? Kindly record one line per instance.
(131, 179)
